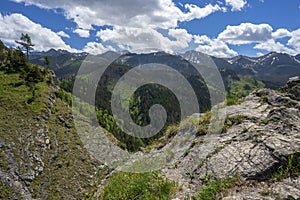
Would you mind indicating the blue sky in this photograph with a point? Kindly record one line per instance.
(223, 28)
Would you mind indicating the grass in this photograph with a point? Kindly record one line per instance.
(8, 192)
(239, 89)
(17, 128)
(264, 121)
(230, 121)
(291, 168)
(146, 186)
(233, 101)
(265, 192)
(236, 119)
(171, 131)
(264, 98)
(216, 188)
(203, 124)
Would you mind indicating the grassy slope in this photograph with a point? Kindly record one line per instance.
(67, 171)
(66, 164)
(146, 186)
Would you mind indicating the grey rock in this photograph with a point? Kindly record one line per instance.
(59, 165)
(248, 159)
(40, 131)
(61, 119)
(285, 189)
(253, 149)
(69, 125)
(47, 141)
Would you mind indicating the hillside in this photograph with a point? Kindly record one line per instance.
(255, 157)
(259, 144)
(44, 154)
(63, 63)
(41, 154)
(273, 69)
(237, 87)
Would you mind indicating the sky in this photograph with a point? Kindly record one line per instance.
(222, 28)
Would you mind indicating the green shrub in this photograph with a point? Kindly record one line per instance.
(216, 188)
(65, 96)
(203, 124)
(291, 168)
(138, 186)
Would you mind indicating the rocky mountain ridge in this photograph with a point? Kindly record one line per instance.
(44, 156)
(273, 69)
(259, 138)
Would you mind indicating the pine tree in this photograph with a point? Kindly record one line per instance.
(47, 62)
(26, 43)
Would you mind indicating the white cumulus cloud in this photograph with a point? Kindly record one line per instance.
(198, 13)
(246, 33)
(62, 34)
(272, 45)
(236, 5)
(96, 48)
(12, 26)
(294, 41)
(138, 39)
(130, 13)
(134, 23)
(82, 32)
(281, 33)
(213, 47)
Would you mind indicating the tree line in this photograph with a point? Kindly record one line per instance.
(13, 60)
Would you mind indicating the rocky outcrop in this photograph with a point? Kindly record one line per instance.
(285, 189)
(42, 156)
(260, 136)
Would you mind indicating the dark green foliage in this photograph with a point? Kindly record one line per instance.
(289, 169)
(65, 96)
(47, 62)
(140, 102)
(247, 87)
(34, 74)
(25, 41)
(239, 88)
(67, 84)
(144, 98)
(47, 65)
(14, 61)
(64, 65)
(126, 141)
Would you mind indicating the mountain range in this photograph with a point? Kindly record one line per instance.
(44, 156)
(272, 69)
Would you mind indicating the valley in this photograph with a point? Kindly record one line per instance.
(45, 156)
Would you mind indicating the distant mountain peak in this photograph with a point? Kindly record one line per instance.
(53, 52)
(297, 58)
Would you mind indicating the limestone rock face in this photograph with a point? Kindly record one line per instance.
(44, 157)
(41, 156)
(265, 136)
